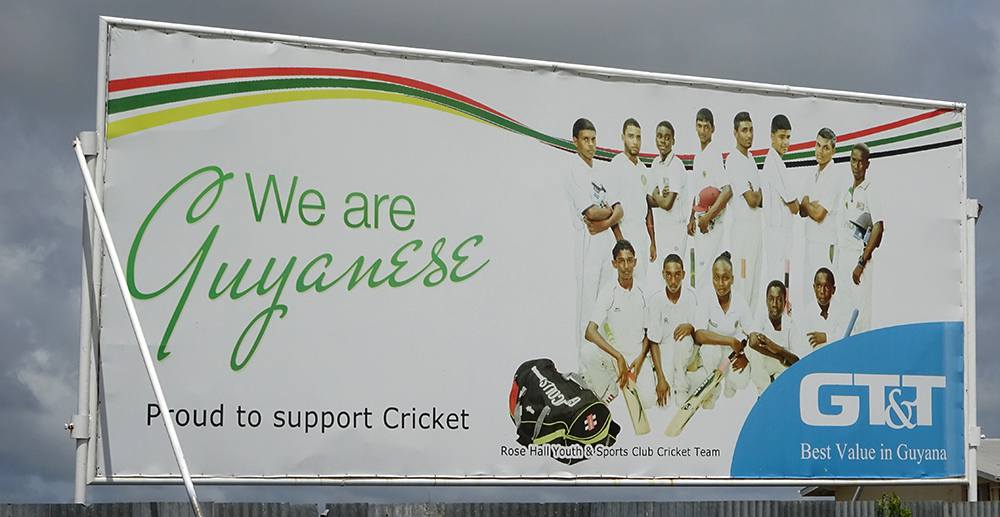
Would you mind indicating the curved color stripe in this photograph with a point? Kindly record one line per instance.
(122, 104)
(307, 83)
(131, 83)
(872, 130)
(148, 100)
(140, 122)
(879, 142)
(134, 102)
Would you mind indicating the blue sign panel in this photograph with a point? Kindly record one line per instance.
(882, 404)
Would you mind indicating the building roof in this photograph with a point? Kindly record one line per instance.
(988, 459)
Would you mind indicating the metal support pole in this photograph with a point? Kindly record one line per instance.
(161, 401)
(972, 210)
(81, 426)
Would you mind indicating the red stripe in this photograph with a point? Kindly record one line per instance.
(130, 83)
(846, 136)
(116, 85)
(865, 132)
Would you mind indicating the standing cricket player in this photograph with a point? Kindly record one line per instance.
(770, 350)
(721, 322)
(821, 205)
(780, 204)
(707, 228)
(747, 218)
(670, 313)
(825, 321)
(669, 196)
(859, 234)
(633, 181)
(596, 217)
(617, 328)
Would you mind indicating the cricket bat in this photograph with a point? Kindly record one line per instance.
(788, 295)
(691, 256)
(850, 324)
(693, 403)
(635, 410)
(640, 423)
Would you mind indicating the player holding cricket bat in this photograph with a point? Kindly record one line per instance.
(722, 321)
(617, 329)
(770, 350)
(824, 321)
(669, 330)
(780, 204)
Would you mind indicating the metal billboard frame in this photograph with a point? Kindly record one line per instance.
(84, 424)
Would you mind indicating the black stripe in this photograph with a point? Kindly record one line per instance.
(926, 147)
(878, 154)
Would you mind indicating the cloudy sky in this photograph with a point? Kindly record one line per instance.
(48, 60)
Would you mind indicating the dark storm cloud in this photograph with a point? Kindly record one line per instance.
(48, 58)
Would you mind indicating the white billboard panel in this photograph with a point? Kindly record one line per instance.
(344, 258)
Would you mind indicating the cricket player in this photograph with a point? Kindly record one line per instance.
(859, 233)
(670, 313)
(747, 217)
(668, 199)
(633, 181)
(721, 322)
(821, 204)
(707, 227)
(595, 217)
(769, 351)
(824, 322)
(781, 204)
(617, 328)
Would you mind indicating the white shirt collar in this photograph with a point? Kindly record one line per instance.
(669, 158)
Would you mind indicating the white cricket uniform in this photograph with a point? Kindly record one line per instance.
(584, 188)
(733, 323)
(629, 180)
(747, 226)
(776, 244)
(662, 318)
(708, 171)
(763, 368)
(810, 320)
(620, 316)
(850, 246)
(670, 225)
(826, 187)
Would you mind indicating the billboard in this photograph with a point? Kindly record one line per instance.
(354, 262)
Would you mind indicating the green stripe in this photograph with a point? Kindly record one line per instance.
(146, 100)
(875, 143)
(918, 134)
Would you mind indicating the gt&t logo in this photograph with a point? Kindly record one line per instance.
(898, 401)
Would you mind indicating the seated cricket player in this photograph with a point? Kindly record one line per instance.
(769, 351)
(721, 322)
(617, 328)
(824, 322)
(669, 330)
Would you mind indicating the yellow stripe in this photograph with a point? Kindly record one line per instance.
(168, 116)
